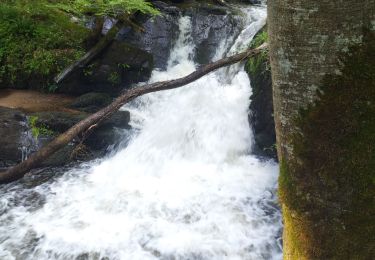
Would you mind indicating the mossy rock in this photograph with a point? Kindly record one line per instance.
(37, 41)
(105, 135)
(261, 105)
(58, 122)
(120, 65)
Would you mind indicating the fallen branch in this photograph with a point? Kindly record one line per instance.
(59, 142)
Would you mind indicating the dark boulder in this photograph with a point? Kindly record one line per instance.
(166, 8)
(105, 135)
(119, 66)
(261, 107)
(61, 157)
(210, 25)
(253, 2)
(159, 34)
(57, 121)
(261, 114)
(91, 102)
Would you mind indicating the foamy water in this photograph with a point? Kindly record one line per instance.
(185, 187)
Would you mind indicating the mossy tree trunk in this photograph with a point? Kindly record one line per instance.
(326, 178)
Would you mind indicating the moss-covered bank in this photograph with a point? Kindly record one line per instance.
(36, 41)
(327, 189)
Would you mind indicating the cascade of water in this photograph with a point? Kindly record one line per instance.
(185, 187)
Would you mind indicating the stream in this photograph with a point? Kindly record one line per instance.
(183, 186)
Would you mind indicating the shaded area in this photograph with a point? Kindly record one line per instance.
(261, 107)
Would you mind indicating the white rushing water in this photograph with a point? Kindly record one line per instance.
(185, 187)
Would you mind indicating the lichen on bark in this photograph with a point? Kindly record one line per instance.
(328, 188)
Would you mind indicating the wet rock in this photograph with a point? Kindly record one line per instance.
(255, 2)
(91, 102)
(57, 122)
(166, 8)
(62, 121)
(261, 108)
(120, 65)
(99, 140)
(210, 24)
(252, 2)
(61, 157)
(12, 130)
(159, 35)
(131, 64)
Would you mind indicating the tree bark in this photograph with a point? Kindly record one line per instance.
(306, 37)
(93, 120)
(90, 55)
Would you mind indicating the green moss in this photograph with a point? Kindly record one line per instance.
(258, 63)
(37, 129)
(114, 78)
(259, 39)
(329, 185)
(113, 8)
(36, 42)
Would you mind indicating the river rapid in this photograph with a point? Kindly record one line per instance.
(185, 185)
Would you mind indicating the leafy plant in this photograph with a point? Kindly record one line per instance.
(114, 78)
(88, 70)
(123, 66)
(36, 130)
(260, 62)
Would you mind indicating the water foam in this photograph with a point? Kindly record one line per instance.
(185, 187)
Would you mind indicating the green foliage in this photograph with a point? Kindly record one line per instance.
(123, 66)
(36, 42)
(259, 39)
(113, 8)
(36, 130)
(260, 62)
(88, 70)
(255, 64)
(38, 38)
(114, 78)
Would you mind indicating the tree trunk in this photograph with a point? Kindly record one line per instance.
(306, 38)
(93, 120)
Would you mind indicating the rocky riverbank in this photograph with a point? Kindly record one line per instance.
(29, 119)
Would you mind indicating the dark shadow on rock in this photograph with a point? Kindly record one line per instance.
(14, 139)
(119, 66)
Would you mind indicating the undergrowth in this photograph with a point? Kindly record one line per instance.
(38, 38)
(38, 130)
(36, 42)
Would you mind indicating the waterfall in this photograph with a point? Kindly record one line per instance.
(185, 187)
